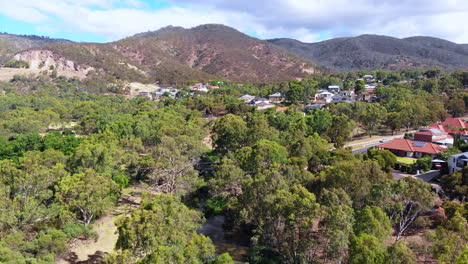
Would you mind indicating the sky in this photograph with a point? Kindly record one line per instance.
(305, 20)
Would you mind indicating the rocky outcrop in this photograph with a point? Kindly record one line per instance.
(46, 60)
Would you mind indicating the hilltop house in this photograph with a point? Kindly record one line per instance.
(457, 162)
(412, 149)
(276, 98)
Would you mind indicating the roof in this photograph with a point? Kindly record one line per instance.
(276, 95)
(412, 146)
(456, 156)
(326, 93)
(431, 132)
(282, 109)
(452, 126)
(333, 87)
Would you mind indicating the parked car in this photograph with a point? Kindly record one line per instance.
(384, 140)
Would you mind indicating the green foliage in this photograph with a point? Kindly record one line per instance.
(385, 158)
(366, 249)
(424, 163)
(399, 253)
(86, 195)
(17, 64)
(456, 183)
(372, 221)
(150, 235)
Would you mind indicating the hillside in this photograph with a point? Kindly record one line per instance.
(11, 44)
(380, 52)
(175, 54)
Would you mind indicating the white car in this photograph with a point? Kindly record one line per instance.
(384, 140)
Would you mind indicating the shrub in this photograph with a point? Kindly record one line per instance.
(73, 230)
(17, 64)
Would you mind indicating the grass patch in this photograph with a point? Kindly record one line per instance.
(406, 161)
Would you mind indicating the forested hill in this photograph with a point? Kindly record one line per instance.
(11, 44)
(380, 52)
(173, 55)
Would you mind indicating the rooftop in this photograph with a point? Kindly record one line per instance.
(412, 146)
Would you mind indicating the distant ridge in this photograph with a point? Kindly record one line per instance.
(380, 52)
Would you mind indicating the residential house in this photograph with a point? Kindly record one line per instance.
(434, 135)
(314, 105)
(276, 98)
(453, 126)
(258, 100)
(163, 91)
(334, 89)
(412, 149)
(325, 96)
(457, 162)
(200, 87)
(146, 94)
(349, 93)
(264, 105)
(341, 99)
(247, 98)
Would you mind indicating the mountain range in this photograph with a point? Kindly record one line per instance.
(207, 52)
(373, 52)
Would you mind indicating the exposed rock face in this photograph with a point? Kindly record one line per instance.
(45, 59)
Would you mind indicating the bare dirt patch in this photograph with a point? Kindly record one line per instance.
(6, 74)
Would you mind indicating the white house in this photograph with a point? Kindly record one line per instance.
(247, 98)
(334, 88)
(326, 96)
(458, 161)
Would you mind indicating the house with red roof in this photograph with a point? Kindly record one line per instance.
(452, 126)
(412, 149)
(434, 135)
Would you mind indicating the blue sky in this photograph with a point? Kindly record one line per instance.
(306, 20)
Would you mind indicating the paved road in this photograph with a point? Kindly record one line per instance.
(364, 150)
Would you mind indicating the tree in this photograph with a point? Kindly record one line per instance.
(399, 253)
(340, 131)
(173, 169)
(230, 132)
(295, 93)
(289, 223)
(337, 224)
(456, 106)
(149, 233)
(385, 158)
(87, 195)
(411, 196)
(27, 193)
(456, 184)
(367, 249)
(450, 243)
(373, 221)
(359, 87)
(371, 116)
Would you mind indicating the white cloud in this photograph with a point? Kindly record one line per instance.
(306, 20)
